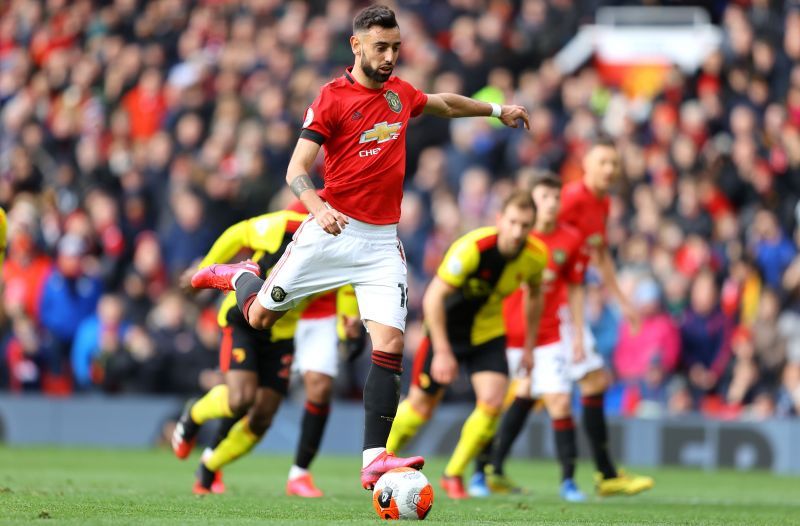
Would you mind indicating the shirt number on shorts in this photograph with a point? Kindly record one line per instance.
(403, 295)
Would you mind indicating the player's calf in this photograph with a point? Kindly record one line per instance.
(184, 435)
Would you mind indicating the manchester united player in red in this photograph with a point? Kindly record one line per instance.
(585, 206)
(360, 120)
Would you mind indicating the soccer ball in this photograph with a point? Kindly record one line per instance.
(402, 493)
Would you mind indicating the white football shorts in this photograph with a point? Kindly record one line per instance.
(370, 257)
(554, 372)
(316, 346)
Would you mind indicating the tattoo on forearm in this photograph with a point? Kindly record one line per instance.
(300, 184)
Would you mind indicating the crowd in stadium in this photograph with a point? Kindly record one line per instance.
(133, 133)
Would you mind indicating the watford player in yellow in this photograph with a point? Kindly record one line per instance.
(463, 311)
(257, 364)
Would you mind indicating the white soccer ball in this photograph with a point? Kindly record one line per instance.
(402, 493)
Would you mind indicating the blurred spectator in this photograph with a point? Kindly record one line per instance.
(705, 336)
(70, 296)
(768, 342)
(773, 250)
(645, 359)
(134, 366)
(189, 236)
(742, 377)
(188, 360)
(98, 338)
(26, 267)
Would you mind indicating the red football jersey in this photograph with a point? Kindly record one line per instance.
(363, 133)
(566, 265)
(586, 212)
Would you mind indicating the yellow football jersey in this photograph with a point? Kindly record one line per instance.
(483, 278)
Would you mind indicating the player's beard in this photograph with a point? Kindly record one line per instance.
(373, 73)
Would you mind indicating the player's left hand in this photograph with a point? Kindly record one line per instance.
(510, 114)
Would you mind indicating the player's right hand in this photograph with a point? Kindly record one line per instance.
(330, 220)
(510, 114)
(444, 367)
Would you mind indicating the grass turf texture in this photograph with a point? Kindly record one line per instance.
(81, 486)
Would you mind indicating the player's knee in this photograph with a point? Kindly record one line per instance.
(596, 382)
(259, 422)
(422, 403)
(318, 387)
(558, 405)
(492, 403)
(390, 342)
(523, 388)
(240, 400)
(261, 318)
(258, 318)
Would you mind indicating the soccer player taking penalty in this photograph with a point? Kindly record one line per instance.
(463, 311)
(360, 120)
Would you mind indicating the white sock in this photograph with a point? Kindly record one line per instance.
(368, 455)
(207, 452)
(296, 472)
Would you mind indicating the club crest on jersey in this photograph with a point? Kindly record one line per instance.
(559, 256)
(382, 132)
(278, 294)
(393, 99)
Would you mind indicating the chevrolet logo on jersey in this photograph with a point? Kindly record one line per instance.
(382, 132)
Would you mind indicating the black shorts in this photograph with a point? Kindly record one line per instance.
(489, 356)
(244, 348)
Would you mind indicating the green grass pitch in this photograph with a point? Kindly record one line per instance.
(82, 486)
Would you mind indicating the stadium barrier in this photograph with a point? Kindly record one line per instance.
(140, 422)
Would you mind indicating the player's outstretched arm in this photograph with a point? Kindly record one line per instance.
(451, 105)
(444, 366)
(298, 180)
